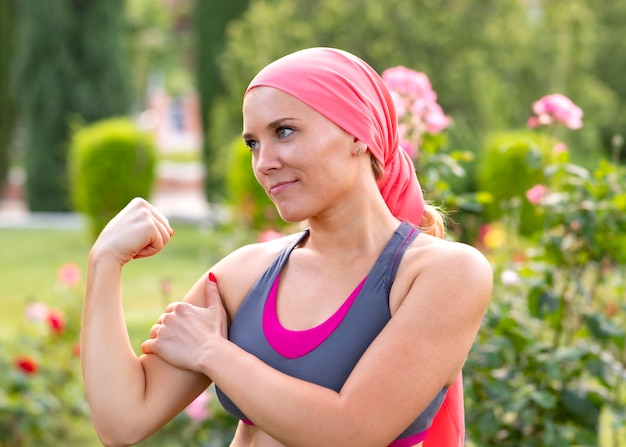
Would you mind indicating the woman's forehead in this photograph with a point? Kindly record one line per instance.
(269, 104)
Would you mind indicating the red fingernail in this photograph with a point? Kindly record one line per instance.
(212, 277)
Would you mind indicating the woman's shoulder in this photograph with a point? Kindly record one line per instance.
(444, 251)
(447, 260)
(238, 271)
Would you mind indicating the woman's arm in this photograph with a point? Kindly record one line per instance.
(129, 397)
(421, 349)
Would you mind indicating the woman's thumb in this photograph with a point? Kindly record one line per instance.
(210, 290)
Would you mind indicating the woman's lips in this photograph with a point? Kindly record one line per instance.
(281, 186)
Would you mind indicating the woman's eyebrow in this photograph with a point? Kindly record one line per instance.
(270, 126)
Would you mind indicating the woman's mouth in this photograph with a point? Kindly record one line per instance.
(280, 186)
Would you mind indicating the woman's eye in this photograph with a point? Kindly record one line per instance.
(284, 132)
(252, 145)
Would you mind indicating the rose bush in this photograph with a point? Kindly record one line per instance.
(421, 122)
(550, 360)
(41, 393)
(549, 363)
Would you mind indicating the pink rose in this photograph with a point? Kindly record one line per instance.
(559, 148)
(559, 109)
(416, 106)
(37, 312)
(536, 193)
(408, 82)
(198, 410)
(69, 274)
(269, 235)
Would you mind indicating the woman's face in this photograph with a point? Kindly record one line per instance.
(305, 163)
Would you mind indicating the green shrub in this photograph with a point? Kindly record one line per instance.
(111, 162)
(250, 203)
(512, 163)
(550, 358)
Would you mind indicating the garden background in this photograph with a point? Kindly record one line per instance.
(93, 94)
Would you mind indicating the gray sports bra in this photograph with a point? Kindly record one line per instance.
(326, 354)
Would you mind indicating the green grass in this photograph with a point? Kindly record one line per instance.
(30, 259)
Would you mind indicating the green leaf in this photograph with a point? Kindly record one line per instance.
(544, 399)
(603, 329)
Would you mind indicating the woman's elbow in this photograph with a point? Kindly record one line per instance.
(119, 435)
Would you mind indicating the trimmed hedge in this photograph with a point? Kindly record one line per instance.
(250, 203)
(111, 162)
(510, 164)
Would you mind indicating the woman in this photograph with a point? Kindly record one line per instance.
(350, 333)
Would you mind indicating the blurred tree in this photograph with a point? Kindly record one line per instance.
(70, 65)
(7, 101)
(609, 64)
(160, 46)
(211, 20)
(488, 60)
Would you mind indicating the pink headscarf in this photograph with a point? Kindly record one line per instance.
(348, 92)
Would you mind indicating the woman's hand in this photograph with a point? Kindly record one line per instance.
(185, 334)
(137, 231)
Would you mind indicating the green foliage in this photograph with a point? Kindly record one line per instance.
(211, 19)
(41, 393)
(510, 164)
(69, 61)
(159, 44)
(7, 101)
(551, 358)
(111, 161)
(487, 60)
(250, 204)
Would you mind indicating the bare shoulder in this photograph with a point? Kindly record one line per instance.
(454, 270)
(428, 254)
(237, 272)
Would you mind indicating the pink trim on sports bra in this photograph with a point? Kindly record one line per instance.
(294, 344)
(409, 441)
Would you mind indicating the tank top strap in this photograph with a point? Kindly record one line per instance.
(279, 262)
(389, 260)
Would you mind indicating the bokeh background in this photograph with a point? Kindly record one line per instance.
(103, 101)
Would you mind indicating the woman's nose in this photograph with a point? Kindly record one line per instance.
(266, 158)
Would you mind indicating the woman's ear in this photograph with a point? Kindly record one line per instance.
(359, 147)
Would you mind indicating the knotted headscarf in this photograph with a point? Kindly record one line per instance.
(348, 92)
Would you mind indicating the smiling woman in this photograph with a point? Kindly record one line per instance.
(359, 324)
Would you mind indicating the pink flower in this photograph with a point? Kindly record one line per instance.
(37, 312)
(198, 410)
(269, 235)
(166, 285)
(533, 122)
(559, 148)
(536, 193)
(69, 274)
(26, 364)
(408, 82)
(416, 106)
(557, 109)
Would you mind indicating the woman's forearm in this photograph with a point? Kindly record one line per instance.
(113, 376)
(294, 412)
